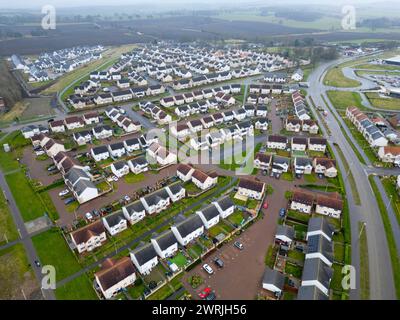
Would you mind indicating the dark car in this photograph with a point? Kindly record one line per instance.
(37, 263)
(152, 285)
(282, 212)
(69, 201)
(96, 213)
(146, 291)
(211, 296)
(219, 263)
(238, 245)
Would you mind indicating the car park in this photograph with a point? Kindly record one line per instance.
(204, 293)
(208, 269)
(238, 245)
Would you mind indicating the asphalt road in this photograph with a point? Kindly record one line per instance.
(381, 275)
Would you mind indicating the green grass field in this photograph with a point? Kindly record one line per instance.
(383, 103)
(343, 99)
(133, 178)
(336, 78)
(78, 289)
(8, 232)
(53, 250)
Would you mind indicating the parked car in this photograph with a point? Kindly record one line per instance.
(208, 269)
(39, 153)
(63, 193)
(282, 212)
(127, 198)
(211, 296)
(152, 285)
(37, 263)
(88, 216)
(96, 213)
(52, 168)
(238, 245)
(69, 201)
(204, 293)
(265, 205)
(219, 263)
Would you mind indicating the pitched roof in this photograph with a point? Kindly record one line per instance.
(84, 234)
(273, 277)
(113, 272)
(251, 185)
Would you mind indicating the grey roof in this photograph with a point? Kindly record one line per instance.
(316, 269)
(144, 254)
(189, 225)
(225, 203)
(165, 240)
(302, 162)
(82, 185)
(287, 231)
(310, 293)
(139, 161)
(318, 243)
(175, 188)
(273, 277)
(75, 174)
(117, 146)
(114, 219)
(156, 197)
(100, 150)
(119, 165)
(132, 142)
(136, 206)
(210, 212)
(320, 224)
(281, 160)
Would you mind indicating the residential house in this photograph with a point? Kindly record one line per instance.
(165, 244)
(251, 188)
(273, 281)
(188, 230)
(225, 206)
(277, 142)
(331, 205)
(89, 237)
(203, 180)
(156, 202)
(100, 153)
(134, 212)
(144, 258)
(115, 275)
(284, 234)
(302, 201)
(115, 223)
(209, 215)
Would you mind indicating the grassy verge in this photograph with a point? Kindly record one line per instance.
(343, 99)
(389, 236)
(356, 195)
(8, 232)
(364, 266)
(389, 183)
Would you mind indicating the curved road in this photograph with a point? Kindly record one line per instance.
(381, 274)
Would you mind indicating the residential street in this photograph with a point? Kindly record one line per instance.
(381, 276)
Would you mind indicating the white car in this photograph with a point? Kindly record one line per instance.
(115, 178)
(63, 193)
(88, 216)
(39, 153)
(208, 269)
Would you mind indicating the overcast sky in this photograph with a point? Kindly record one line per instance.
(29, 4)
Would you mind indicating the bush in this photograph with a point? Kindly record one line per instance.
(195, 281)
